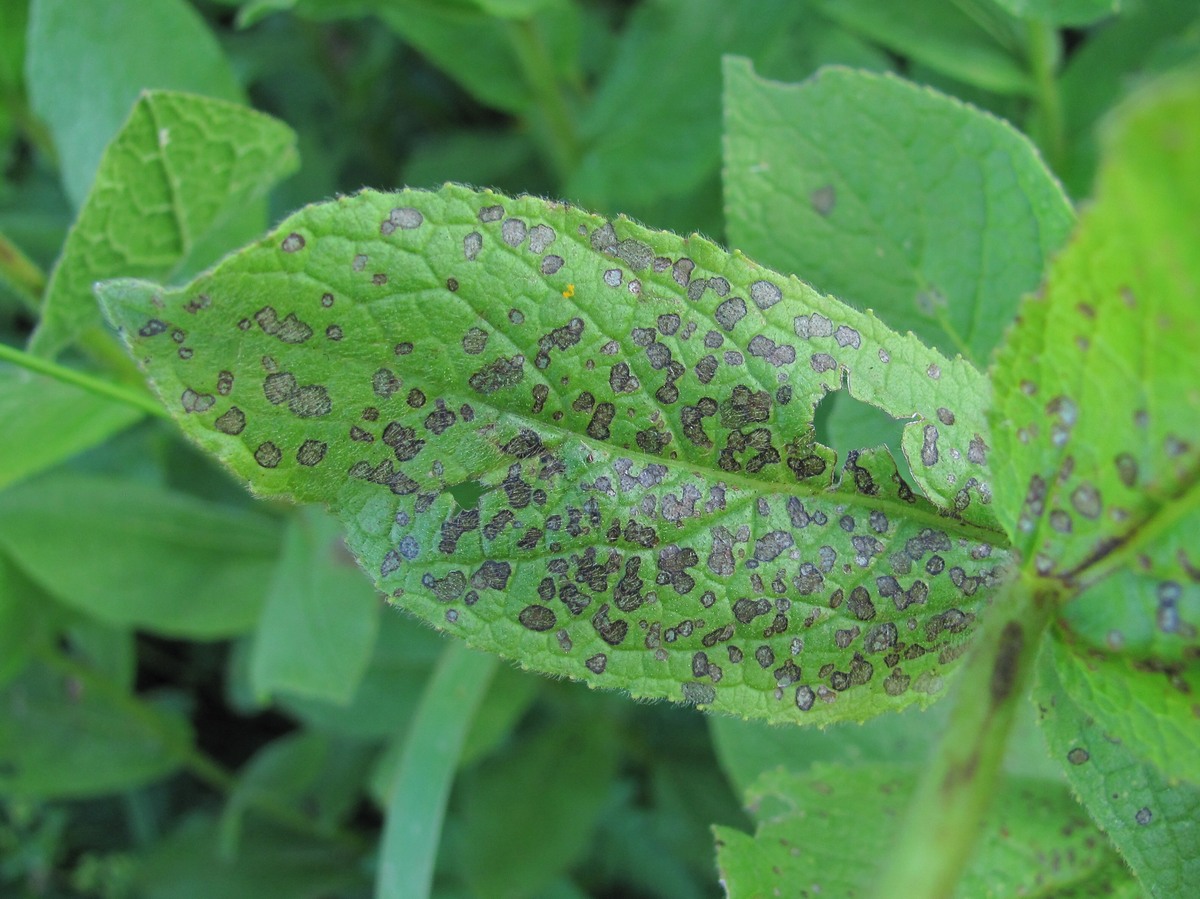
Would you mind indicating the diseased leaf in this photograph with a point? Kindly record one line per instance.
(129, 554)
(88, 62)
(171, 195)
(1151, 710)
(1098, 403)
(1148, 814)
(34, 409)
(892, 197)
(588, 446)
(823, 831)
(319, 625)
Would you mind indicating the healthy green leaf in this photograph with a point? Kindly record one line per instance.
(271, 863)
(975, 42)
(677, 45)
(494, 71)
(1117, 56)
(1097, 405)
(176, 188)
(570, 765)
(35, 408)
(88, 62)
(822, 831)
(1148, 814)
(588, 446)
(893, 197)
(388, 690)
(1062, 12)
(321, 618)
(65, 737)
(24, 620)
(135, 555)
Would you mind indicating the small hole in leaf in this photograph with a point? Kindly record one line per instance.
(843, 423)
(468, 493)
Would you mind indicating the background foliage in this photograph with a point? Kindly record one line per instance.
(199, 693)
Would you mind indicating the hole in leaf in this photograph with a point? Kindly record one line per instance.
(843, 423)
(468, 493)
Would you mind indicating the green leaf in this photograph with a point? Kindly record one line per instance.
(135, 555)
(824, 830)
(25, 613)
(570, 765)
(893, 197)
(1096, 399)
(494, 69)
(303, 770)
(63, 736)
(176, 188)
(977, 43)
(1116, 57)
(271, 864)
(677, 45)
(35, 410)
(88, 62)
(1148, 814)
(321, 618)
(1062, 12)
(1153, 712)
(388, 691)
(586, 445)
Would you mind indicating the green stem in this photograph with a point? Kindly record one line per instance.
(946, 814)
(21, 274)
(137, 399)
(556, 121)
(1045, 54)
(425, 772)
(177, 744)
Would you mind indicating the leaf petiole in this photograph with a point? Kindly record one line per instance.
(100, 387)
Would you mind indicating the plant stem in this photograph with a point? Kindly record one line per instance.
(417, 803)
(557, 124)
(21, 274)
(1045, 54)
(960, 780)
(92, 384)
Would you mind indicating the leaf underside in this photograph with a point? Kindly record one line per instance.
(588, 446)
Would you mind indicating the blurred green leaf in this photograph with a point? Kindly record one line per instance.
(66, 735)
(676, 45)
(1062, 12)
(88, 62)
(35, 410)
(974, 41)
(135, 555)
(270, 864)
(177, 187)
(569, 766)
(824, 830)
(333, 340)
(24, 620)
(1146, 811)
(1118, 55)
(389, 689)
(318, 629)
(315, 775)
(892, 197)
(1097, 406)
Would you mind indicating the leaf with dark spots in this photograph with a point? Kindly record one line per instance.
(646, 483)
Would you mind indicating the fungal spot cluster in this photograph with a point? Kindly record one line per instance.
(610, 465)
